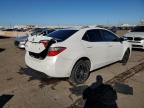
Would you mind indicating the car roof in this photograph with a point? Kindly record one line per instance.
(87, 28)
(90, 28)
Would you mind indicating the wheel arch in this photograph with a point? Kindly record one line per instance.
(71, 78)
(129, 49)
(81, 58)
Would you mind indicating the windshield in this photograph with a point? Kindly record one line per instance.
(138, 29)
(62, 34)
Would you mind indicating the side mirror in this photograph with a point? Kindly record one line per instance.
(121, 39)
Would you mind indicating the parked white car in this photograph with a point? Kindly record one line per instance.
(74, 53)
(136, 37)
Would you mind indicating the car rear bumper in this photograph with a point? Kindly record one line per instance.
(51, 66)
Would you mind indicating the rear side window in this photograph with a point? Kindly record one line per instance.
(92, 36)
(62, 34)
(108, 36)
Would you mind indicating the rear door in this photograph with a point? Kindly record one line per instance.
(95, 47)
(114, 46)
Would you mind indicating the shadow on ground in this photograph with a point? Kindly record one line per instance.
(3, 37)
(123, 88)
(2, 49)
(4, 99)
(78, 90)
(117, 82)
(43, 78)
(140, 50)
(97, 95)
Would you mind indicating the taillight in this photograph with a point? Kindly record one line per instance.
(53, 51)
(44, 42)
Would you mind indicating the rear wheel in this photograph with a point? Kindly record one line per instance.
(80, 72)
(125, 57)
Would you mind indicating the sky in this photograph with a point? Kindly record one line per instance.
(71, 12)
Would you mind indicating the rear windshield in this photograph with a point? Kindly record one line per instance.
(138, 29)
(62, 35)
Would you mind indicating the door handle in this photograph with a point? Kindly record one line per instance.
(110, 46)
(89, 47)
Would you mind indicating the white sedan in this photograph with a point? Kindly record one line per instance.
(74, 53)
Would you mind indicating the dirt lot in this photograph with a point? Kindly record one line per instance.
(11, 33)
(23, 87)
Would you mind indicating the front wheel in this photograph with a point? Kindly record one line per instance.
(125, 57)
(80, 72)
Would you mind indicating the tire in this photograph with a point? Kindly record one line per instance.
(125, 57)
(80, 72)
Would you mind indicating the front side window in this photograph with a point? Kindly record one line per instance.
(92, 36)
(108, 36)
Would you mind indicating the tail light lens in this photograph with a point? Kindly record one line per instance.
(53, 51)
(44, 42)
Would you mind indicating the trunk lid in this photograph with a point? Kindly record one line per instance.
(35, 45)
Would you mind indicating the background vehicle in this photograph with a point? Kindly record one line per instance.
(41, 31)
(136, 37)
(20, 41)
(74, 53)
